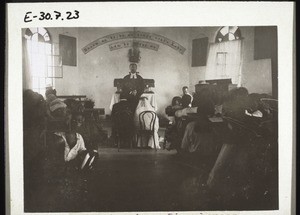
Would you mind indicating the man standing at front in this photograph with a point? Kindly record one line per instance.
(133, 80)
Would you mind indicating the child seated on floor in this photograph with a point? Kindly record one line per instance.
(80, 126)
(75, 153)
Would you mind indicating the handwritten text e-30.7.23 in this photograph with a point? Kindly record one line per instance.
(55, 15)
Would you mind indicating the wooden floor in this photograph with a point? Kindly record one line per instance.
(129, 180)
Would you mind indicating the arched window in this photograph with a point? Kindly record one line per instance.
(37, 34)
(225, 55)
(228, 33)
(43, 61)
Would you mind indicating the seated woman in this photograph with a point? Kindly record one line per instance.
(198, 141)
(198, 137)
(58, 116)
(145, 141)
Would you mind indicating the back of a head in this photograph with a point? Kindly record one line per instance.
(176, 100)
(33, 108)
(206, 108)
(50, 91)
(238, 93)
(242, 92)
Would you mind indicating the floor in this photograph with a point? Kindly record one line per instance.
(133, 180)
(129, 180)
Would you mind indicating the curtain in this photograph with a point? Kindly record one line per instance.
(27, 81)
(224, 61)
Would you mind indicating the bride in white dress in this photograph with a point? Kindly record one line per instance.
(144, 105)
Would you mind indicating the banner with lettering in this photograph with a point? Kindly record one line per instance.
(134, 34)
(128, 43)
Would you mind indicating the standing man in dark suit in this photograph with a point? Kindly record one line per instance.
(134, 81)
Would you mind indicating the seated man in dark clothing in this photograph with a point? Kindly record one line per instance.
(186, 101)
(122, 119)
(187, 98)
(133, 99)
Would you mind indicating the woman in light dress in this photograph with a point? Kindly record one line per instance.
(144, 141)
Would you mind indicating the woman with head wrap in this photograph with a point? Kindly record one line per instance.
(144, 105)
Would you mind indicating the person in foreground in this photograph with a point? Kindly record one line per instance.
(75, 153)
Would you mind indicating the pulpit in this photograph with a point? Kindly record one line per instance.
(120, 82)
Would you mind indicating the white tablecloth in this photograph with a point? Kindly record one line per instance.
(151, 98)
(114, 99)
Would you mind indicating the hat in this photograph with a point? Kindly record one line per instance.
(56, 104)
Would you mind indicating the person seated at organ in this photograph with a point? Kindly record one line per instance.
(134, 80)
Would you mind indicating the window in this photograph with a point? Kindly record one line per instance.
(44, 59)
(228, 33)
(221, 63)
(225, 55)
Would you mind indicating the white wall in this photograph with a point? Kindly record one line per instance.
(70, 73)
(256, 74)
(198, 73)
(95, 71)
(98, 68)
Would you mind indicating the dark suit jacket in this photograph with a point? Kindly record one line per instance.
(122, 118)
(137, 84)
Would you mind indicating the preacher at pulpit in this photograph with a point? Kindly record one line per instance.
(133, 80)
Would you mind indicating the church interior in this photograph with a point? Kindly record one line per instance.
(150, 118)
